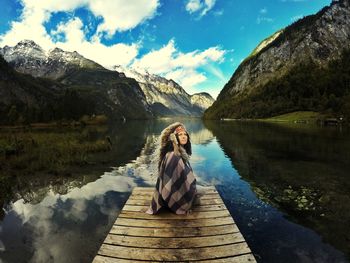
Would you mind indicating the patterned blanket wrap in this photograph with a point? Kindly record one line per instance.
(175, 187)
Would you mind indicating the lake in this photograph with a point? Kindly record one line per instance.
(286, 186)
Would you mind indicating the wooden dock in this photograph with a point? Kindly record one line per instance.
(208, 234)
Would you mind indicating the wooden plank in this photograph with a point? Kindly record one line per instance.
(149, 195)
(181, 242)
(136, 190)
(174, 232)
(174, 223)
(208, 234)
(197, 202)
(106, 259)
(236, 259)
(180, 254)
(204, 208)
(167, 215)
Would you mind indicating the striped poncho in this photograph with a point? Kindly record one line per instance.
(175, 187)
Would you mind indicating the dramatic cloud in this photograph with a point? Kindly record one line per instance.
(105, 55)
(113, 16)
(182, 67)
(122, 15)
(186, 77)
(200, 6)
(117, 15)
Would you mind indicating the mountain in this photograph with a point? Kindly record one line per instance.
(166, 97)
(25, 98)
(302, 67)
(28, 57)
(202, 100)
(112, 93)
(102, 91)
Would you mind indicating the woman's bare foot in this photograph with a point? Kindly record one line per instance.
(183, 212)
(180, 212)
(148, 211)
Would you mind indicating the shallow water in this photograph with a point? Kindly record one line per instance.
(287, 188)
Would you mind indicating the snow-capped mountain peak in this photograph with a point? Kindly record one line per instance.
(167, 95)
(28, 57)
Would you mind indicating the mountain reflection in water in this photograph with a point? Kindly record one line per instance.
(285, 187)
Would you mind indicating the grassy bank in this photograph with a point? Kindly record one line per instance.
(52, 151)
(83, 121)
(297, 117)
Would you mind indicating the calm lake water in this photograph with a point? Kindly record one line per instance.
(287, 188)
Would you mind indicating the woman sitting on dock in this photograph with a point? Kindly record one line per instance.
(176, 184)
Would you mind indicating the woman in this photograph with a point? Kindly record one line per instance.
(176, 184)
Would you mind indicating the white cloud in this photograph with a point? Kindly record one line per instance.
(71, 35)
(122, 15)
(107, 56)
(29, 27)
(183, 68)
(157, 61)
(118, 15)
(193, 6)
(187, 77)
(201, 6)
(72, 30)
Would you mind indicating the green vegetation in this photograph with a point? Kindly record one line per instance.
(54, 152)
(298, 116)
(116, 97)
(265, 42)
(83, 91)
(306, 87)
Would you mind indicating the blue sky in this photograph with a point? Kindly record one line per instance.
(198, 43)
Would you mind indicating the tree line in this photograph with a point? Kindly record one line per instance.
(306, 87)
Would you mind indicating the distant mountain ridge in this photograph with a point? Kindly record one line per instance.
(84, 87)
(28, 57)
(106, 91)
(270, 81)
(166, 96)
(24, 98)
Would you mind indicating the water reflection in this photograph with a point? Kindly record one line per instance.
(254, 168)
(301, 171)
(50, 217)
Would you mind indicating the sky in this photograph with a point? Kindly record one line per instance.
(197, 43)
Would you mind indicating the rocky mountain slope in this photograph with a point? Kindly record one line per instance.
(117, 94)
(104, 91)
(166, 97)
(28, 57)
(25, 98)
(272, 74)
(202, 100)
